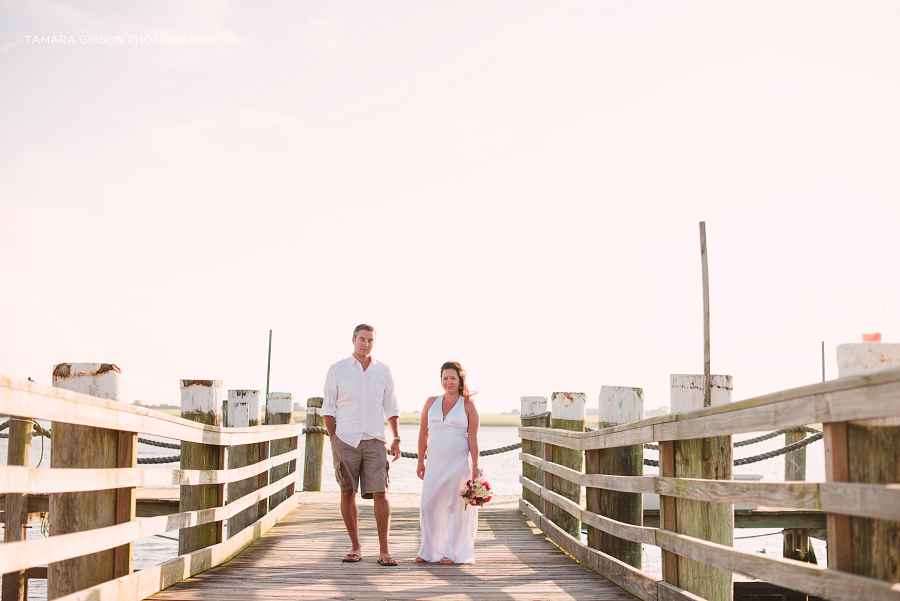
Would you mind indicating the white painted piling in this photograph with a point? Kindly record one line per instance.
(201, 401)
(687, 391)
(244, 410)
(617, 405)
(86, 447)
(534, 412)
(708, 458)
(279, 410)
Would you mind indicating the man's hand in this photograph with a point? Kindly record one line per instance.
(395, 450)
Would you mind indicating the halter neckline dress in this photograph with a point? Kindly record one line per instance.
(447, 527)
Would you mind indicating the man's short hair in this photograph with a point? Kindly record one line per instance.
(362, 326)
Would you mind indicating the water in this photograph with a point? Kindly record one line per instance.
(502, 471)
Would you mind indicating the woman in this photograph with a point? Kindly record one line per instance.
(449, 433)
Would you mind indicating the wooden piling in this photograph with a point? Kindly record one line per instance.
(279, 410)
(711, 459)
(201, 401)
(244, 411)
(617, 405)
(315, 446)
(85, 447)
(535, 413)
(872, 449)
(567, 413)
(15, 584)
(796, 543)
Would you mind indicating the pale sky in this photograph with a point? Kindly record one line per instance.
(513, 185)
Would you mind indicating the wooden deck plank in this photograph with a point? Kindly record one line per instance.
(299, 558)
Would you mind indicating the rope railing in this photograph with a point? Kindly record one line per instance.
(816, 435)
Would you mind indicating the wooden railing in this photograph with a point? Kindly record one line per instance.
(860, 513)
(269, 499)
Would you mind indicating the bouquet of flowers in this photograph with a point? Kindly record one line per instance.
(477, 493)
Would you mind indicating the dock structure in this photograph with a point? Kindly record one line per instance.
(264, 539)
(300, 558)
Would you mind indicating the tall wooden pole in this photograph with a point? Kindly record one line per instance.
(269, 366)
(706, 372)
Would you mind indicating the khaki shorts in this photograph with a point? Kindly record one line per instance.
(364, 468)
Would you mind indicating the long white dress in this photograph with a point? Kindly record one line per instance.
(448, 529)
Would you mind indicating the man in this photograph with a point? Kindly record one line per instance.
(359, 396)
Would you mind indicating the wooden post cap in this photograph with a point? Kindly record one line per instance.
(533, 405)
(620, 405)
(280, 402)
(315, 401)
(867, 358)
(96, 379)
(244, 408)
(687, 391)
(201, 396)
(568, 405)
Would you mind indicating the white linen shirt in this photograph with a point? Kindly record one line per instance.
(360, 401)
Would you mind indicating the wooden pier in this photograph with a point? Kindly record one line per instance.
(286, 544)
(300, 558)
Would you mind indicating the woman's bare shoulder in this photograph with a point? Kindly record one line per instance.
(429, 401)
(470, 405)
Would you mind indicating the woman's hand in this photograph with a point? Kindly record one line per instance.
(476, 473)
(420, 470)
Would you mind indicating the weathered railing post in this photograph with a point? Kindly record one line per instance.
(315, 446)
(866, 452)
(86, 447)
(201, 401)
(796, 543)
(534, 413)
(567, 413)
(618, 405)
(15, 584)
(710, 459)
(279, 410)
(244, 411)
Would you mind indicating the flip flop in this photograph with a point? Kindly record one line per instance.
(419, 560)
(351, 557)
(446, 561)
(385, 559)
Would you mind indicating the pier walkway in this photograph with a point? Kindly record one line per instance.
(299, 558)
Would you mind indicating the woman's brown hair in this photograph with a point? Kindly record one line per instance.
(463, 388)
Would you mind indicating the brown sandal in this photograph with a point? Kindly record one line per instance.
(351, 557)
(446, 561)
(419, 560)
(385, 559)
